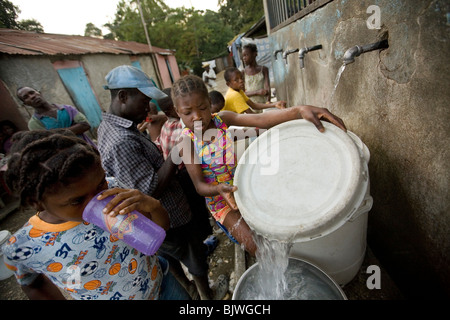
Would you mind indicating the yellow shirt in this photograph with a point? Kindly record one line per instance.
(236, 101)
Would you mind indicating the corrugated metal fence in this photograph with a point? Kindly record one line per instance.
(283, 12)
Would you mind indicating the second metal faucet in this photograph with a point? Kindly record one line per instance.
(303, 51)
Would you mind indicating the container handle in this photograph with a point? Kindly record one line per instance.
(364, 207)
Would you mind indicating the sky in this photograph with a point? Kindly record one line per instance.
(71, 16)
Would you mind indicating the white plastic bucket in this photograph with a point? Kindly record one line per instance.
(5, 273)
(307, 282)
(311, 189)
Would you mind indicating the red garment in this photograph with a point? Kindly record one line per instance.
(168, 138)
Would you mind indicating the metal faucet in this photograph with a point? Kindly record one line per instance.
(303, 51)
(350, 54)
(276, 52)
(288, 52)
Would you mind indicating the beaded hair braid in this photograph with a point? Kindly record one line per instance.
(46, 164)
(187, 85)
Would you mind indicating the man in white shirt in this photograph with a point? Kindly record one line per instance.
(209, 77)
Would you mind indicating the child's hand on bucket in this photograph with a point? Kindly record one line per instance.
(315, 114)
(226, 191)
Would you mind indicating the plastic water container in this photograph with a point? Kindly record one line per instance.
(299, 185)
(305, 282)
(5, 273)
(133, 228)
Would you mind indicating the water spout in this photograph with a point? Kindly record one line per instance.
(303, 51)
(353, 52)
(288, 52)
(276, 52)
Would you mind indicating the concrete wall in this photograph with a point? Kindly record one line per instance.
(397, 102)
(33, 71)
(38, 72)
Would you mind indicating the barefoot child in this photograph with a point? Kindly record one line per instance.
(56, 250)
(205, 137)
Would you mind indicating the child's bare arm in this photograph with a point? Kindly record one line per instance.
(42, 289)
(193, 167)
(269, 119)
(209, 190)
(260, 106)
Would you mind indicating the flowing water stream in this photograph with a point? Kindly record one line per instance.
(270, 280)
(273, 259)
(278, 277)
(336, 82)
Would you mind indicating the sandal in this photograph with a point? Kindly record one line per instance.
(211, 244)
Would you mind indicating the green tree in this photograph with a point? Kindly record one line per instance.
(194, 34)
(240, 15)
(8, 18)
(8, 15)
(92, 31)
(31, 25)
(127, 24)
(215, 35)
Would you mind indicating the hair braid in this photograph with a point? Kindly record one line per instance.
(188, 85)
(47, 163)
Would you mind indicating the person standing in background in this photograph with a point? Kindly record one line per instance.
(257, 81)
(209, 77)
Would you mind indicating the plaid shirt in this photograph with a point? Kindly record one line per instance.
(170, 133)
(132, 158)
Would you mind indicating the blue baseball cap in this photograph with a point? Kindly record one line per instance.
(131, 77)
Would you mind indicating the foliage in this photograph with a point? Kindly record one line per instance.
(8, 18)
(196, 35)
(31, 25)
(241, 14)
(92, 31)
(8, 15)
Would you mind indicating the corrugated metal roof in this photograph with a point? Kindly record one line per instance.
(18, 42)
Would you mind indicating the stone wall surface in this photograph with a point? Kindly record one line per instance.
(396, 100)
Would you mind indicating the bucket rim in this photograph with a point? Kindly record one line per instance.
(255, 265)
(334, 212)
